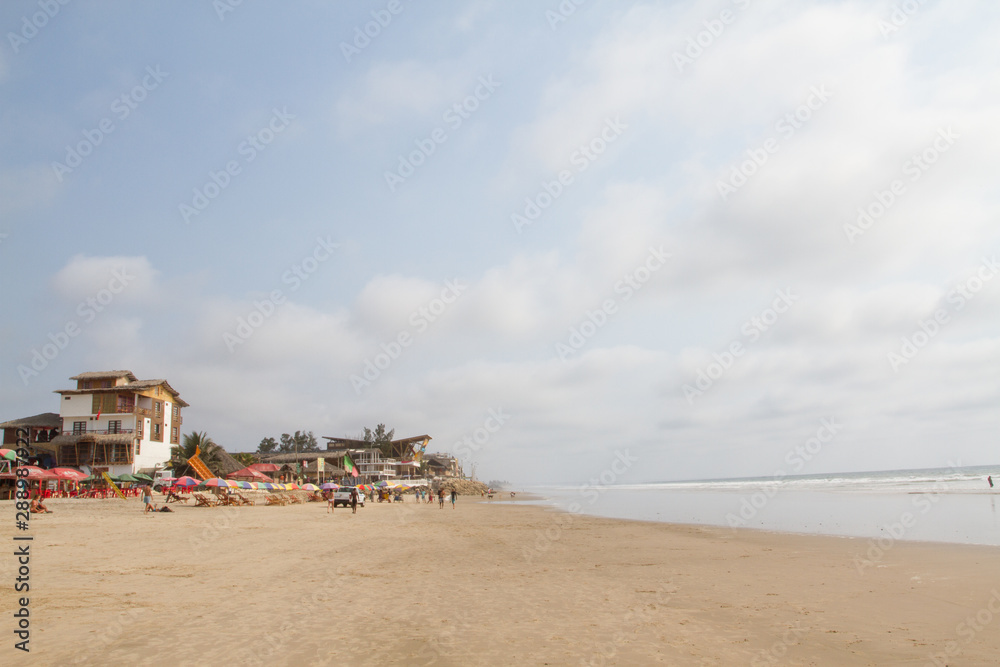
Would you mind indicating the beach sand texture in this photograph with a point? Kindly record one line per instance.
(484, 584)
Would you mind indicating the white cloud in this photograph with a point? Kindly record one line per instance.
(105, 279)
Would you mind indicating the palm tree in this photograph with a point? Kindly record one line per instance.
(208, 452)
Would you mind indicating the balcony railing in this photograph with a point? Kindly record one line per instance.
(120, 431)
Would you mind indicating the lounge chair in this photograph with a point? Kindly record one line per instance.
(203, 501)
(225, 499)
(274, 500)
(314, 498)
(294, 499)
(243, 499)
(176, 498)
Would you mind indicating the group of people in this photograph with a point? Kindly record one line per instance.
(331, 503)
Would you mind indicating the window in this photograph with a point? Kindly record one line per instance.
(79, 428)
(176, 410)
(156, 408)
(103, 403)
(137, 448)
(115, 426)
(156, 433)
(173, 434)
(138, 427)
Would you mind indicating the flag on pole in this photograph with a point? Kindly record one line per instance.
(349, 465)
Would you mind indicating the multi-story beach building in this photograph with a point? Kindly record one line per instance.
(116, 423)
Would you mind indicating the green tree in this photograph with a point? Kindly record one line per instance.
(300, 441)
(210, 454)
(246, 458)
(267, 447)
(380, 439)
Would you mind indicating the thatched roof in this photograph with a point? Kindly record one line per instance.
(99, 438)
(292, 457)
(105, 375)
(43, 420)
(133, 384)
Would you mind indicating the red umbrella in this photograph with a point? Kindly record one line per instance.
(36, 473)
(187, 481)
(71, 474)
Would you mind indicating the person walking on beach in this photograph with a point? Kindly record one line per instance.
(147, 498)
(330, 506)
(440, 499)
(454, 496)
(354, 500)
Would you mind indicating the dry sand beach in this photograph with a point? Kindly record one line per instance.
(485, 584)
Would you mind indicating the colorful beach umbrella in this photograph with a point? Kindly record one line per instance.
(292, 486)
(187, 481)
(267, 486)
(329, 486)
(217, 482)
(309, 487)
(245, 485)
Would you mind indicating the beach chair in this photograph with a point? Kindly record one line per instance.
(273, 500)
(314, 498)
(203, 501)
(243, 499)
(176, 498)
(294, 499)
(223, 498)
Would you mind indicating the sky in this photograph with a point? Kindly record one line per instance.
(570, 241)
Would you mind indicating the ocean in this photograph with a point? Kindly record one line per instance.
(953, 504)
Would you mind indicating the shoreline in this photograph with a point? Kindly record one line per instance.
(484, 585)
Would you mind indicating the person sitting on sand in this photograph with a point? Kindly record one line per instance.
(38, 508)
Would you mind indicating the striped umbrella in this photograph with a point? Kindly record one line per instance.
(329, 486)
(187, 481)
(309, 487)
(218, 482)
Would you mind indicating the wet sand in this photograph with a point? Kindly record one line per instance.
(484, 584)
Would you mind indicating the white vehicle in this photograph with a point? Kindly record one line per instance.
(342, 496)
(158, 483)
